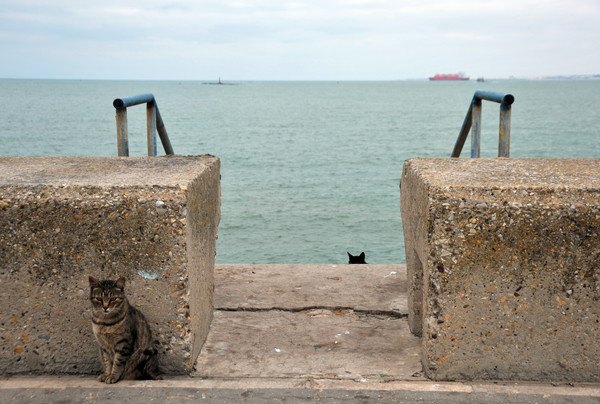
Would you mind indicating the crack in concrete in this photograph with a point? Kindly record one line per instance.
(375, 313)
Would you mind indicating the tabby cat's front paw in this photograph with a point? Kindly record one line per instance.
(102, 378)
(111, 379)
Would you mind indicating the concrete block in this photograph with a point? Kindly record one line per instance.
(152, 220)
(503, 260)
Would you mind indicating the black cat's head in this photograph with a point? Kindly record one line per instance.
(356, 259)
(107, 296)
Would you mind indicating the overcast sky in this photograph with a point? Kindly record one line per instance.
(297, 40)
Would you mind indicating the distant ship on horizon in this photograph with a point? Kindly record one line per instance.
(449, 77)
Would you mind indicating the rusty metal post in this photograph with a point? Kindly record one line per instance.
(476, 128)
(464, 132)
(151, 127)
(162, 132)
(504, 131)
(122, 135)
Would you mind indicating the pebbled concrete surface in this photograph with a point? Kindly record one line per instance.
(151, 220)
(503, 261)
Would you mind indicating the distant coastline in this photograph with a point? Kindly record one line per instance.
(560, 77)
(575, 77)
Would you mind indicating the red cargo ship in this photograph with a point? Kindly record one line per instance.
(450, 77)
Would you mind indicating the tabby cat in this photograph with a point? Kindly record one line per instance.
(126, 347)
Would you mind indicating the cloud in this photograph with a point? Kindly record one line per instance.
(341, 39)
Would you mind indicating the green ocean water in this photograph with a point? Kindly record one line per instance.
(310, 170)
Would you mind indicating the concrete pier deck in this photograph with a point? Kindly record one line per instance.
(290, 333)
(345, 322)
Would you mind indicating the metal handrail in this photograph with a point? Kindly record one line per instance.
(473, 119)
(154, 123)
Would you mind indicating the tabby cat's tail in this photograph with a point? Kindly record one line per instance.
(143, 363)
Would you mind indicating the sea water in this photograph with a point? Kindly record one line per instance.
(310, 170)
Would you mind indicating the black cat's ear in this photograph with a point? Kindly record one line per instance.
(93, 282)
(362, 255)
(349, 255)
(121, 283)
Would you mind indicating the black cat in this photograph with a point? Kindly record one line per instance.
(356, 259)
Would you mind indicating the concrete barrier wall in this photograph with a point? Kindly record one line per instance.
(152, 220)
(504, 264)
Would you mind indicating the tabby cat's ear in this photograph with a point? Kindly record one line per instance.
(93, 282)
(121, 283)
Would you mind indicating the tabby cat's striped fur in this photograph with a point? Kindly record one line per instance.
(126, 346)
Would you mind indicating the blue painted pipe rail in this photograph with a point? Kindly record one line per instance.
(494, 96)
(121, 103)
(154, 124)
(472, 123)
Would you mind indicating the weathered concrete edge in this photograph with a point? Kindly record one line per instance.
(66, 383)
(203, 192)
(521, 173)
(414, 194)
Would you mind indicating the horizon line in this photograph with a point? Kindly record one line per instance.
(215, 81)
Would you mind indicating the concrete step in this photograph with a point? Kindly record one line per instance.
(300, 286)
(76, 389)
